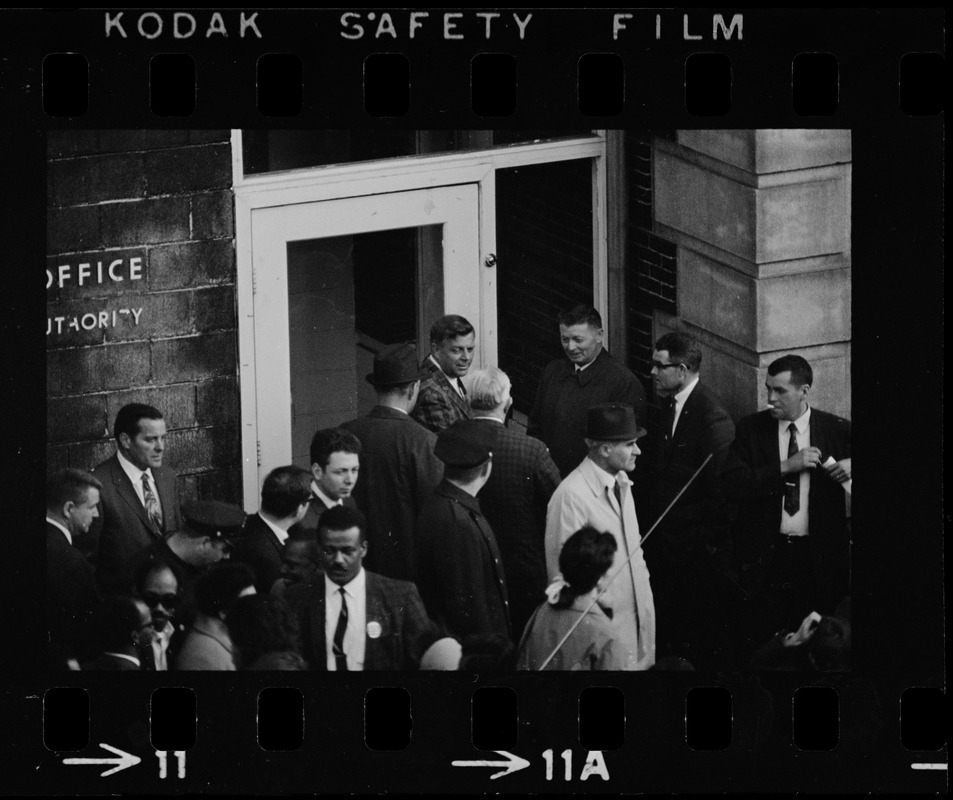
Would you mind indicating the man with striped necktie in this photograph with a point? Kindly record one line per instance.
(138, 503)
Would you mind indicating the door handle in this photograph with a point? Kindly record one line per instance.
(489, 260)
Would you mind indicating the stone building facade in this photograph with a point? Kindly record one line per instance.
(740, 237)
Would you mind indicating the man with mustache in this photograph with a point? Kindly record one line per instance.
(791, 543)
(352, 619)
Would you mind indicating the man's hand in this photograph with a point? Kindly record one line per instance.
(839, 470)
(808, 458)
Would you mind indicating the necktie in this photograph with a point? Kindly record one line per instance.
(792, 485)
(340, 660)
(669, 417)
(151, 502)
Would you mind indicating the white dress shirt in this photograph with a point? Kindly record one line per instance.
(454, 380)
(355, 635)
(680, 399)
(135, 475)
(796, 525)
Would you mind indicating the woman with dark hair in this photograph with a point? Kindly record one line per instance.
(583, 562)
(208, 645)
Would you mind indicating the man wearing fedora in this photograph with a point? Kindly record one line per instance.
(459, 569)
(398, 467)
(599, 493)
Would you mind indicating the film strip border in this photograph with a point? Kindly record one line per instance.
(598, 68)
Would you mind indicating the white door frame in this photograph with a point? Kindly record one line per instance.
(364, 179)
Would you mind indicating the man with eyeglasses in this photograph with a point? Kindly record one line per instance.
(681, 553)
(570, 386)
(352, 619)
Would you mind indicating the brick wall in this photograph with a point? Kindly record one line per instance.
(651, 277)
(164, 198)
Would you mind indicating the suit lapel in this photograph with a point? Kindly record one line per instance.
(452, 393)
(127, 492)
(374, 613)
(319, 642)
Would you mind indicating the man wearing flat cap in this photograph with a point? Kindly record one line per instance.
(398, 467)
(459, 571)
(599, 493)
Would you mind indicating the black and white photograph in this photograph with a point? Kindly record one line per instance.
(484, 342)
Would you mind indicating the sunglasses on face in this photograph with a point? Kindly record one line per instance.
(153, 600)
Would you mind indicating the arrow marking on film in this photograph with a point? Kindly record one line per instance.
(125, 760)
(513, 763)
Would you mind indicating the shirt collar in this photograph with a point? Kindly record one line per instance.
(602, 479)
(135, 474)
(282, 535)
(577, 368)
(490, 417)
(682, 396)
(133, 659)
(62, 527)
(324, 498)
(801, 423)
(353, 589)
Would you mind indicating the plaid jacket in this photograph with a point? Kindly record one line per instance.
(438, 404)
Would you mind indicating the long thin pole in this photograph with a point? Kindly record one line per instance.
(625, 563)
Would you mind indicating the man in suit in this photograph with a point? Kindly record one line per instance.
(335, 463)
(569, 387)
(598, 493)
(687, 589)
(123, 632)
(285, 497)
(515, 497)
(460, 571)
(443, 397)
(72, 601)
(791, 544)
(138, 502)
(398, 466)
(351, 618)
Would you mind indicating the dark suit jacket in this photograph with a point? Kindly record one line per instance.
(260, 549)
(316, 509)
(406, 631)
(514, 501)
(459, 569)
(752, 477)
(563, 400)
(123, 527)
(702, 515)
(398, 473)
(72, 598)
(438, 404)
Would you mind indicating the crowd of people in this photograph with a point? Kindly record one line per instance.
(432, 533)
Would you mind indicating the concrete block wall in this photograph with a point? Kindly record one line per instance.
(158, 202)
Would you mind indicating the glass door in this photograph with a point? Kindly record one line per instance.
(333, 283)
